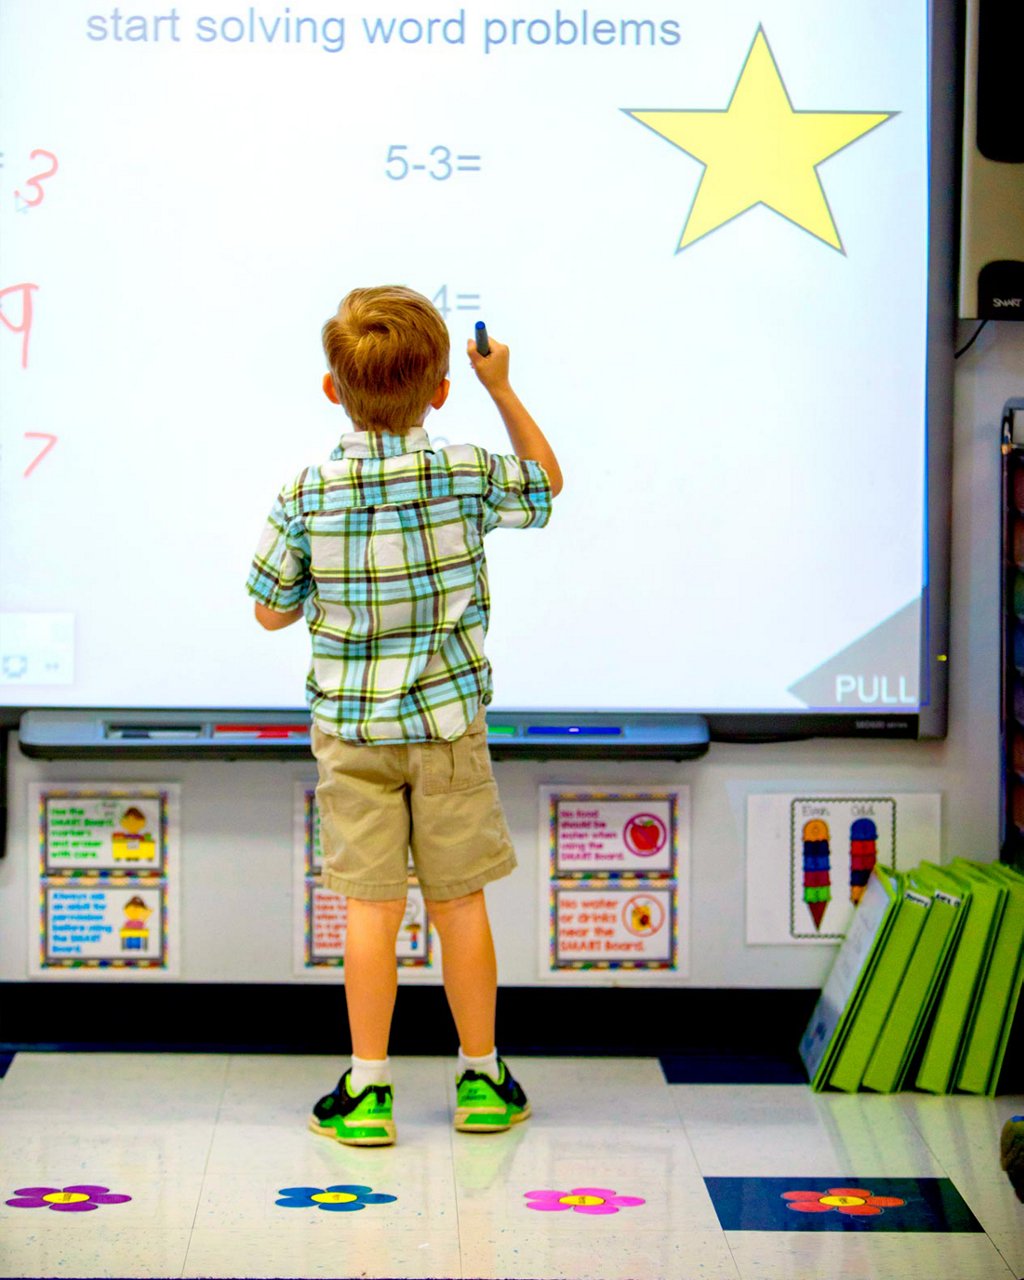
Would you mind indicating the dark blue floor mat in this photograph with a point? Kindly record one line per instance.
(701, 1068)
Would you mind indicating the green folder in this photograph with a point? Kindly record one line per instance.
(922, 980)
(964, 981)
(881, 988)
(837, 1005)
(989, 1030)
(1016, 877)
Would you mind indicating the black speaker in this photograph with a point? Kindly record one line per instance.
(992, 197)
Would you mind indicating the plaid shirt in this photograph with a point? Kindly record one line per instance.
(383, 546)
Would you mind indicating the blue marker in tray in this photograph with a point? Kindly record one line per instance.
(482, 344)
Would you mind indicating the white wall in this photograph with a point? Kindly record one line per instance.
(237, 817)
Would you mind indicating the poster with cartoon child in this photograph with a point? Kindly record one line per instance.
(89, 832)
(105, 858)
(103, 924)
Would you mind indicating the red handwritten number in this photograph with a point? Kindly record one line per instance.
(26, 291)
(25, 328)
(51, 440)
(37, 179)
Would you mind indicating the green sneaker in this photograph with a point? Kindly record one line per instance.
(360, 1121)
(485, 1105)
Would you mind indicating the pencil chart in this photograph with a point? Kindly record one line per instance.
(834, 846)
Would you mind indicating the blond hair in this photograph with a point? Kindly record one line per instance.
(387, 350)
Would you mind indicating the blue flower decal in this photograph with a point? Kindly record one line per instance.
(340, 1199)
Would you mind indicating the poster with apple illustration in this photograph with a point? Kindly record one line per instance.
(635, 833)
(615, 901)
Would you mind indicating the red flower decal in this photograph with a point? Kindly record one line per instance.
(855, 1201)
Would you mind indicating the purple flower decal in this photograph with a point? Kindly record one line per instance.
(76, 1199)
(590, 1200)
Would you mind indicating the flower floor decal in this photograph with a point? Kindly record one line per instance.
(839, 1202)
(77, 1199)
(591, 1200)
(338, 1199)
(852, 1200)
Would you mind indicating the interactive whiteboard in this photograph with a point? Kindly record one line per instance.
(705, 231)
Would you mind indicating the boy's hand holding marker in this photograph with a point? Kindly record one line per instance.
(490, 361)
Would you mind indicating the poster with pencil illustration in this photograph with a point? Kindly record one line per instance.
(810, 856)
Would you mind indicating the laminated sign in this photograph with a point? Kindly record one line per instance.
(106, 861)
(616, 861)
(321, 918)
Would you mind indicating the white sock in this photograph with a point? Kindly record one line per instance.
(367, 1071)
(487, 1065)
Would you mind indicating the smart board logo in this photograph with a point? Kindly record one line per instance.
(871, 691)
(1008, 302)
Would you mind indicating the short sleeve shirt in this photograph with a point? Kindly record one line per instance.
(382, 546)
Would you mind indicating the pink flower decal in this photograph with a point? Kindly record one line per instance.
(592, 1200)
(77, 1199)
(855, 1201)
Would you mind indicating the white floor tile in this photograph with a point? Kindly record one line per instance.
(163, 1201)
(187, 1079)
(72, 1245)
(774, 1130)
(263, 1119)
(963, 1132)
(257, 1085)
(817, 1255)
(422, 1187)
(53, 1147)
(596, 1094)
(344, 1248)
(289, 1154)
(585, 1255)
(657, 1167)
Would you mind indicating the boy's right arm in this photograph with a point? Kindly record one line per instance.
(279, 577)
(528, 441)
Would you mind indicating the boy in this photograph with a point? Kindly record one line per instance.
(381, 549)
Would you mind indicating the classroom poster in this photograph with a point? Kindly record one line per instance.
(626, 836)
(321, 915)
(615, 894)
(810, 857)
(105, 857)
(621, 922)
(104, 921)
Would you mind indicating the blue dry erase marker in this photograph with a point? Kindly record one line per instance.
(482, 345)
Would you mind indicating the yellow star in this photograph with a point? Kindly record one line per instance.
(760, 151)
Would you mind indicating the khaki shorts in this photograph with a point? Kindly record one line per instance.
(437, 799)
